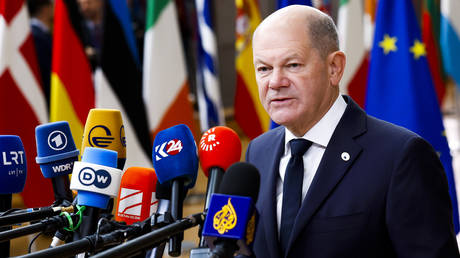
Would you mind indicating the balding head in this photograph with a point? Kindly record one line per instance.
(320, 28)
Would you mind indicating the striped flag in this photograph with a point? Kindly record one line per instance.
(430, 36)
(22, 100)
(165, 82)
(450, 38)
(119, 82)
(249, 112)
(355, 25)
(72, 90)
(208, 91)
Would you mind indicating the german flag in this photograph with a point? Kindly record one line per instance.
(72, 91)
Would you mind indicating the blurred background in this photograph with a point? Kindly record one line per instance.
(165, 62)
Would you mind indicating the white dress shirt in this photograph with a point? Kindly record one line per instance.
(319, 135)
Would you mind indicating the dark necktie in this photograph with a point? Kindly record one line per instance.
(292, 189)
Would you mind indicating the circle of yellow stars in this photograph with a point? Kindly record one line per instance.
(388, 44)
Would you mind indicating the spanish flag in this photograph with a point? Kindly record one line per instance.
(72, 91)
(249, 112)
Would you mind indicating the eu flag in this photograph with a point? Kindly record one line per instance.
(400, 88)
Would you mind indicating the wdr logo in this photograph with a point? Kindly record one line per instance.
(172, 147)
(97, 136)
(99, 178)
(57, 140)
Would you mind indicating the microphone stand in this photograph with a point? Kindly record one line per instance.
(153, 238)
(5, 204)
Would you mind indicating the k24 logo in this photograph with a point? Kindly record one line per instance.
(166, 149)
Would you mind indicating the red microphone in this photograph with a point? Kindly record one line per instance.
(136, 198)
(220, 147)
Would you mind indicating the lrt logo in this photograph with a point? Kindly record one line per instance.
(16, 157)
(100, 141)
(99, 178)
(208, 141)
(57, 140)
(172, 147)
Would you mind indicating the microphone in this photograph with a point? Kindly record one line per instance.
(104, 129)
(56, 154)
(230, 222)
(13, 172)
(96, 179)
(220, 147)
(136, 198)
(175, 161)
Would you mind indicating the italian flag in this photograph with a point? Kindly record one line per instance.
(165, 82)
(355, 23)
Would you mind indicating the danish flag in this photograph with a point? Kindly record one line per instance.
(22, 100)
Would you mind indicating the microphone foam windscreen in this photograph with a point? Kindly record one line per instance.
(175, 155)
(104, 129)
(13, 166)
(220, 147)
(56, 150)
(136, 198)
(241, 179)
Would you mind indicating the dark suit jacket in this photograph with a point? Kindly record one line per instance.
(390, 199)
(43, 44)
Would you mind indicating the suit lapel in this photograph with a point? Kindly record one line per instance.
(340, 154)
(268, 203)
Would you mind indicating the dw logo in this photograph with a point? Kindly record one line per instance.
(99, 178)
(57, 140)
(173, 147)
(98, 137)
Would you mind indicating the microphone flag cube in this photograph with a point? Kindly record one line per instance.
(228, 216)
(175, 155)
(56, 151)
(96, 177)
(136, 199)
(13, 165)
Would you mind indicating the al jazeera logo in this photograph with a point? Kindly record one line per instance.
(225, 219)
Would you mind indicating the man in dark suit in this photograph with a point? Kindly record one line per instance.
(42, 13)
(336, 182)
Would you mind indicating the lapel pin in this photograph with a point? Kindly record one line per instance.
(345, 156)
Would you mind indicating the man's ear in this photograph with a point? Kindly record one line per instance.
(336, 65)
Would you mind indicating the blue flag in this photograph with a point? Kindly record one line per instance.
(283, 3)
(400, 88)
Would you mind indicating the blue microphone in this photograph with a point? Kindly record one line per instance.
(56, 154)
(96, 178)
(13, 173)
(230, 222)
(175, 159)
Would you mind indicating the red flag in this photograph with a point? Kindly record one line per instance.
(22, 100)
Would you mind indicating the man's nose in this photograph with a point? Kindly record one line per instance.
(278, 79)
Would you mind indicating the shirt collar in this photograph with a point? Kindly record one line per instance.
(322, 131)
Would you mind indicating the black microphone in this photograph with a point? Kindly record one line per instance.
(230, 221)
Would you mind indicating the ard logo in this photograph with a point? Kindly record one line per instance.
(57, 140)
(225, 219)
(208, 141)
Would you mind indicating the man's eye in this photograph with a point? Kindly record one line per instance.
(294, 65)
(262, 69)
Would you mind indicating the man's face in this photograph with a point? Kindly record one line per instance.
(291, 76)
